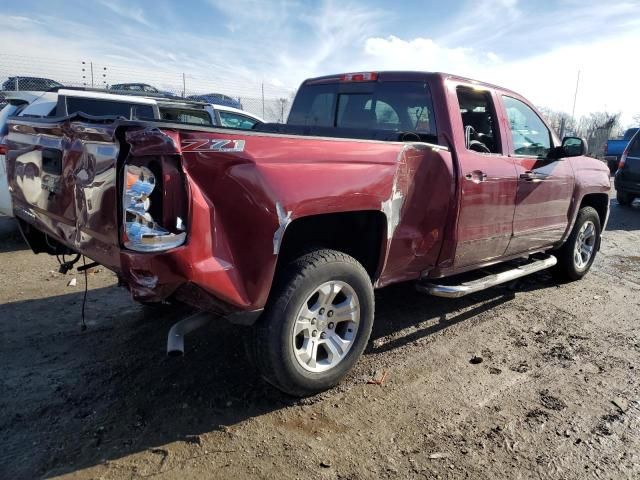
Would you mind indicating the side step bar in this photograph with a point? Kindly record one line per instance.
(455, 291)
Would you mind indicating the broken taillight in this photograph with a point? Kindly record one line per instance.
(359, 77)
(142, 232)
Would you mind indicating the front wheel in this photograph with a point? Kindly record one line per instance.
(577, 254)
(317, 323)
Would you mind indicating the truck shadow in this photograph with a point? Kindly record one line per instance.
(10, 238)
(75, 399)
(625, 218)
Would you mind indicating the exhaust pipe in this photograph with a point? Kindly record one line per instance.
(175, 339)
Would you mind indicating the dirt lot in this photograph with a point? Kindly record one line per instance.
(557, 394)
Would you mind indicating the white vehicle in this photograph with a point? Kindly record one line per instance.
(16, 103)
(67, 101)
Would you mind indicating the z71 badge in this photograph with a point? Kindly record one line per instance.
(212, 145)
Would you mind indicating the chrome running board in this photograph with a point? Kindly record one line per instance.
(455, 291)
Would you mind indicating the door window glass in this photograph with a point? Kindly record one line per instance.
(530, 135)
(478, 119)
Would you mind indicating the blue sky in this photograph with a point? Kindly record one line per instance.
(535, 48)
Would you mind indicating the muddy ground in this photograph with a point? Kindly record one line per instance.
(556, 395)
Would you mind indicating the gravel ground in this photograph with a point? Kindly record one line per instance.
(529, 380)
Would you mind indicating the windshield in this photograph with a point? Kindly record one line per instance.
(395, 106)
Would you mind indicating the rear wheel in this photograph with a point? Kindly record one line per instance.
(317, 323)
(577, 254)
(623, 198)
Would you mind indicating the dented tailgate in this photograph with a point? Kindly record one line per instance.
(62, 178)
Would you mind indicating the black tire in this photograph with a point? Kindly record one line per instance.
(623, 198)
(567, 268)
(273, 341)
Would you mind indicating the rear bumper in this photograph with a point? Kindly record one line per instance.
(624, 185)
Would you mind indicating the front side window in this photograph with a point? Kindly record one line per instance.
(234, 120)
(530, 135)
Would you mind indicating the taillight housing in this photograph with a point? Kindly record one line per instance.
(623, 158)
(142, 232)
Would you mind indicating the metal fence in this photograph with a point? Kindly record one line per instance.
(265, 99)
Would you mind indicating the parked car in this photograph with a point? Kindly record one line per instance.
(142, 88)
(614, 148)
(627, 179)
(217, 99)
(134, 87)
(378, 178)
(37, 84)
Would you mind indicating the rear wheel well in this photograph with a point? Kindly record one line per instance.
(600, 202)
(358, 234)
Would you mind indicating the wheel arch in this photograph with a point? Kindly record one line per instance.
(600, 203)
(360, 234)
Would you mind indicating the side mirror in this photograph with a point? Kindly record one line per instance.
(571, 147)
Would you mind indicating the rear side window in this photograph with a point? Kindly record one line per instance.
(478, 120)
(395, 106)
(98, 108)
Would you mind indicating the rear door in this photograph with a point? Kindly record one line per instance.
(488, 177)
(545, 187)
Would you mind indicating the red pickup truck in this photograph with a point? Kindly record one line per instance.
(377, 178)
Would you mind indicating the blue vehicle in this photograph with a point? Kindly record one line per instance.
(217, 99)
(614, 148)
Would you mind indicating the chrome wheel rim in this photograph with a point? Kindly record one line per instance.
(585, 245)
(326, 326)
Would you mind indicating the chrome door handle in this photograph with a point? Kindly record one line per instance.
(530, 176)
(476, 176)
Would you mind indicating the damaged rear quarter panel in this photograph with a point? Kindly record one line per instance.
(254, 194)
(244, 191)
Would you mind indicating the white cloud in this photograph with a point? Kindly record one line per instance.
(534, 51)
(128, 12)
(547, 79)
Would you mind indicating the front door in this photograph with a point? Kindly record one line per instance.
(488, 181)
(545, 187)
